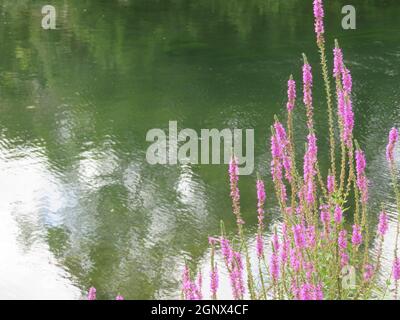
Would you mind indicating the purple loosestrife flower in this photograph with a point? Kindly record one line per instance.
(295, 260)
(306, 291)
(260, 203)
(276, 148)
(233, 171)
(307, 84)
(199, 286)
(234, 179)
(274, 266)
(310, 236)
(383, 224)
(295, 290)
(396, 269)
(307, 93)
(260, 211)
(312, 149)
(330, 184)
(341, 105)
(362, 181)
(338, 214)
(318, 293)
(287, 164)
(212, 240)
(325, 214)
(276, 172)
(278, 143)
(342, 240)
(393, 138)
(309, 269)
(92, 294)
(214, 281)
(281, 134)
(347, 81)
(260, 192)
(348, 122)
(285, 231)
(284, 251)
(119, 297)
(356, 238)
(368, 272)
(283, 142)
(187, 284)
(291, 94)
(299, 236)
(235, 195)
(319, 20)
(226, 249)
(345, 108)
(236, 276)
(259, 245)
(325, 217)
(309, 291)
(310, 159)
(337, 62)
(360, 162)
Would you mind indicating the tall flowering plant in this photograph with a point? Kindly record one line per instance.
(314, 251)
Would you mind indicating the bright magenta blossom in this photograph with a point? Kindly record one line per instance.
(383, 225)
(291, 94)
(356, 238)
(396, 269)
(393, 138)
(362, 181)
(319, 20)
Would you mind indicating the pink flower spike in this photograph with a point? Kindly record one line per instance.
(338, 62)
(214, 282)
(92, 294)
(307, 84)
(119, 297)
(396, 269)
(319, 20)
(259, 246)
(338, 214)
(274, 266)
(347, 81)
(330, 184)
(362, 181)
(260, 203)
(356, 238)
(291, 94)
(368, 272)
(383, 224)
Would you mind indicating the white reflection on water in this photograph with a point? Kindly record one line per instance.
(28, 270)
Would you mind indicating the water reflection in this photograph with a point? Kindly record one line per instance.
(30, 199)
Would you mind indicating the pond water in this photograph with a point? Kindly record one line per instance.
(79, 204)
